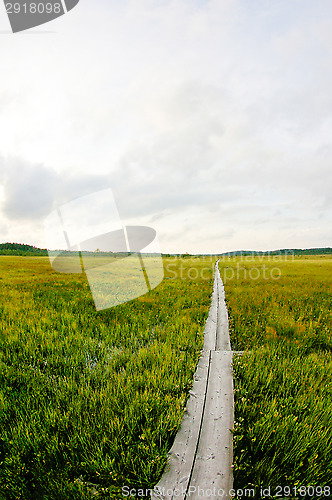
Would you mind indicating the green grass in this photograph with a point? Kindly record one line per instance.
(283, 384)
(91, 401)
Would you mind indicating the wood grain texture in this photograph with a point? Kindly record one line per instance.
(199, 462)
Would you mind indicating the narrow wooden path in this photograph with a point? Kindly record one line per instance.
(199, 462)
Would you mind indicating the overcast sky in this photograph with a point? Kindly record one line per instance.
(210, 120)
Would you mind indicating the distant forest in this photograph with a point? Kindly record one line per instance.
(21, 249)
(284, 251)
(31, 251)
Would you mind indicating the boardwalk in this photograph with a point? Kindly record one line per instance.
(199, 462)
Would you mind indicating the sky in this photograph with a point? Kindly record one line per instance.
(211, 121)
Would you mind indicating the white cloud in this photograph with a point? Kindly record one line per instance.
(206, 118)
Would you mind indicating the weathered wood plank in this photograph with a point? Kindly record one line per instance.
(210, 331)
(212, 468)
(182, 454)
(223, 341)
(201, 455)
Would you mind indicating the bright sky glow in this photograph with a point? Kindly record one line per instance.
(210, 120)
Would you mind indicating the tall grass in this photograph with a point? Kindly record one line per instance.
(283, 384)
(91, 401)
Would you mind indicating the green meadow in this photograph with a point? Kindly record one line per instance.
(91, 401)
(281, 315)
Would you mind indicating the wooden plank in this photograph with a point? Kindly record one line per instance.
(210, 331)
(223, 341)
(212, 468)
(201, 455)
(175, 480)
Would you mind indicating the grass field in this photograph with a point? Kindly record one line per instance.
(90, 401)
(283, 384)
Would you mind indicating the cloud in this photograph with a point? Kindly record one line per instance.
(28, 190)
(205, 118)
(31, 191)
